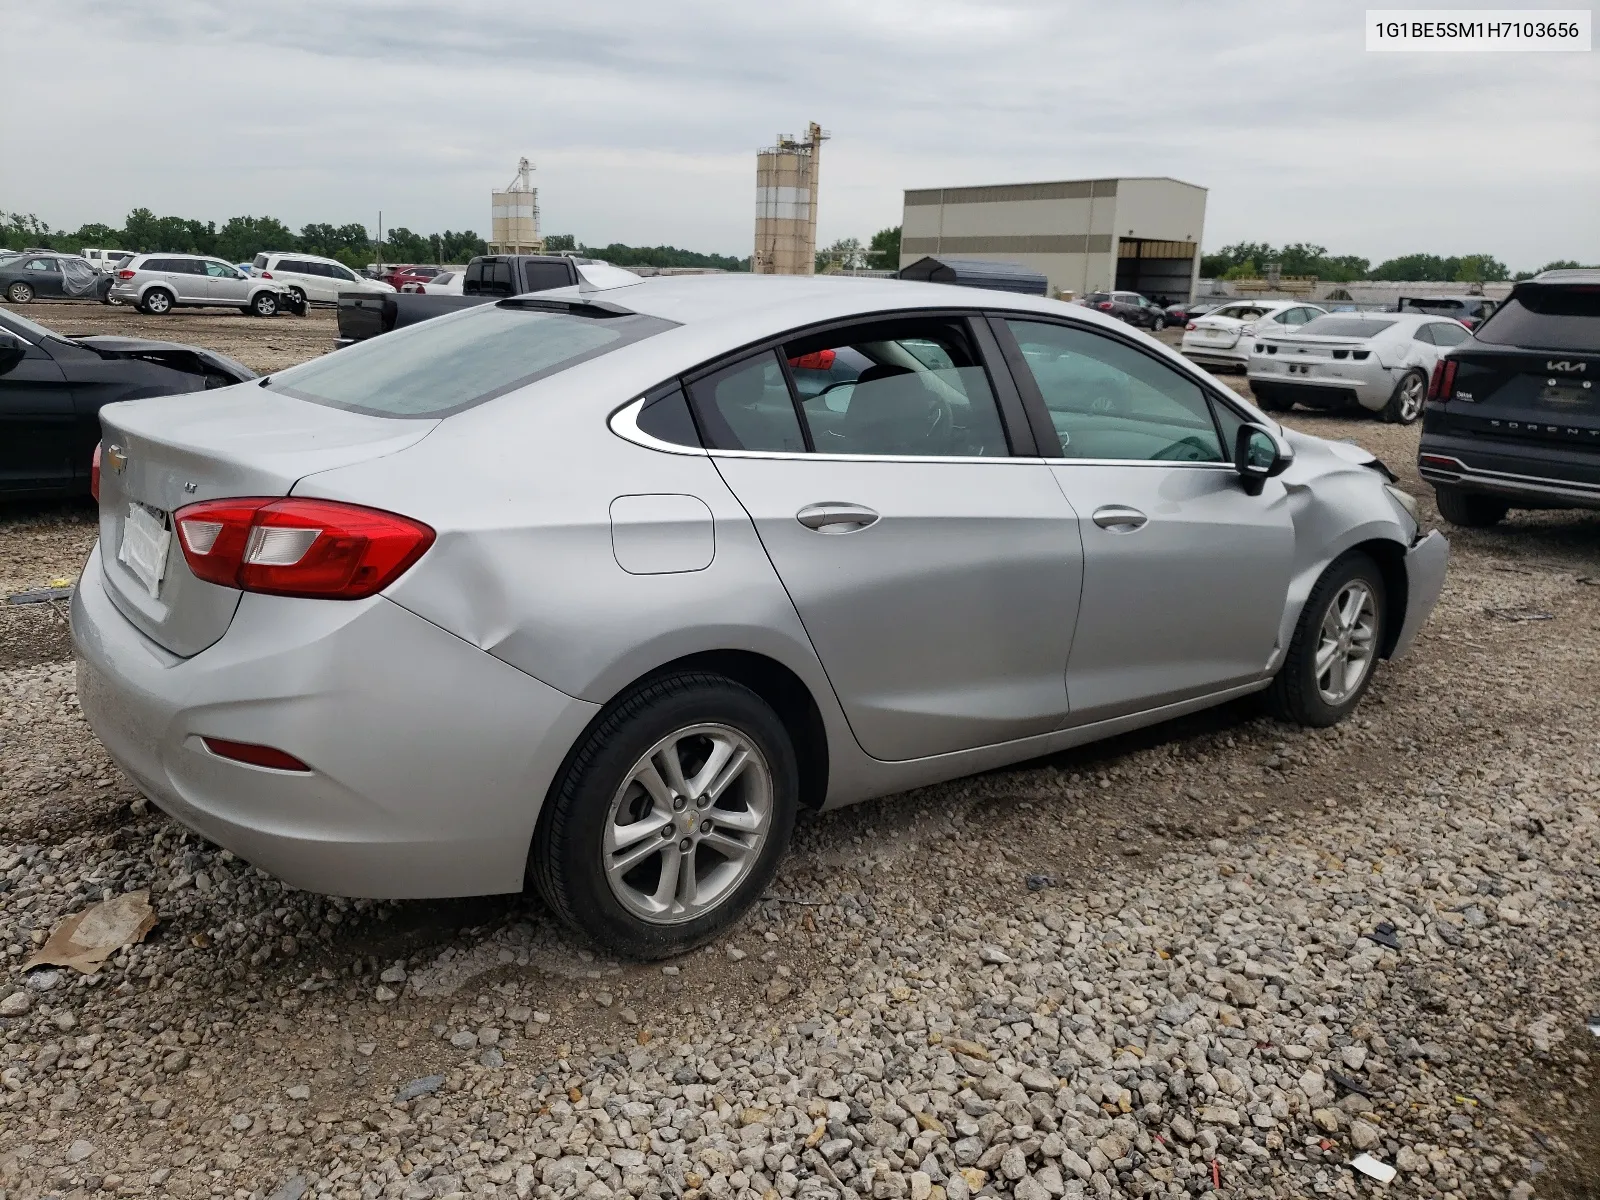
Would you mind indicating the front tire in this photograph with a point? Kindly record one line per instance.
(19, 292)
(299, 298)
(1470, 510)
(669, 818)
(1335, 646)
(1405, 403)
(1157, 325)
(265, 304)
(157, 302)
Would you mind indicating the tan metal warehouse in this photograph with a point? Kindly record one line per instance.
(1138, 234)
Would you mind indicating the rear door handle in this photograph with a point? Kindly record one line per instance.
(834, 517)
(1119, 518)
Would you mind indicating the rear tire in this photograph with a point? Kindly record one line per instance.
(1335, 647)
(1405, 403)
(1470, 510)
(265, 304)
(19, 293)
(1269, 402)
(620, 778)
(1157, 325)
(157, 302)
(299, 297)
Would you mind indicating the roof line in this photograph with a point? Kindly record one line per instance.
(1044, 182)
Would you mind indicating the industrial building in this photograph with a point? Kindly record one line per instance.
(514, 215)
(1139, 234)
(786, 205)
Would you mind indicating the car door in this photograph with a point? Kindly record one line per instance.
(224, 284)
(36, 423)
(44, 274)
(935, 569)
(1185, 576)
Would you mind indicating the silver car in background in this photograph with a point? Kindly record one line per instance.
(159, 283)
(582, 589)
(1380, 362)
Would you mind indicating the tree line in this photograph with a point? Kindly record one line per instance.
(1249, 260)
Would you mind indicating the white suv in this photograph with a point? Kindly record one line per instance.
(314, 278)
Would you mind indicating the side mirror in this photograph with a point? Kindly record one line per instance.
(12, 350)
(1259, 454)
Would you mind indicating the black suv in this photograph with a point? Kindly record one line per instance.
(1513, 415)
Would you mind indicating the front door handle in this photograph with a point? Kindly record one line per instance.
(1119, 518)
(834, 517)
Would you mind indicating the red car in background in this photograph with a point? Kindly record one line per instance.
(400, 276)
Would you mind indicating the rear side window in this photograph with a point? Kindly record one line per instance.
(260, 262)
(1448, 333)
(747, 407)
(439, 367)
(1547, 319)
(541, 276)
(665, 415)
(1349, 327)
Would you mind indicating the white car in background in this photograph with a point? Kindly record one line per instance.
(1224, 336)
(445, 283)
(310, 277)
(1377, 361)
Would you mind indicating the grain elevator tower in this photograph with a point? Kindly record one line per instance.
(786, 205)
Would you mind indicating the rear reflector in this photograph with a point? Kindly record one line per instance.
(1441, 462)
(94, 473)
(256, 756)
(319, 549)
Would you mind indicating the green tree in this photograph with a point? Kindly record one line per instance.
(458, 246)
(404, 246)
(242, 238)
(336, 241)
(883, 251)
(662, 256)
(557, 242)
(96, 234)
(1243, 270)
(1416, 268)
(18, 231)
(1480, 268)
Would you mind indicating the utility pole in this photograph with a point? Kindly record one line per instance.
(380, 241)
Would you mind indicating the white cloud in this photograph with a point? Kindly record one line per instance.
(644, 118)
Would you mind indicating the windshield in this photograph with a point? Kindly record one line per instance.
(32, 330)
(1547, 319)
(1349, 327)
(442, 366)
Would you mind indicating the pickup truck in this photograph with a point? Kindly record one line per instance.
(489, 277)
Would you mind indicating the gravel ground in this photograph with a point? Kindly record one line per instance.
(1159, 966)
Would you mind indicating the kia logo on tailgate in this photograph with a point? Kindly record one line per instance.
(1563, 365)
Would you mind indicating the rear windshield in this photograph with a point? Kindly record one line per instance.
(1430, 304)
(1350, 327)
(1548, 319)
(439, 367)
(1239, 312)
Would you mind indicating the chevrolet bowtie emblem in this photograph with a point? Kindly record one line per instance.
(117, 457)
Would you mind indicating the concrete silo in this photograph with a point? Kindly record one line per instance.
(786, 205)
(514, 216)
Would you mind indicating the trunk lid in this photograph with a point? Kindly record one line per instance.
(163, 453)
(1524, 395)
(1313, 349)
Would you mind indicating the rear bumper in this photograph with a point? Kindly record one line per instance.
(1527, 474)
(429, 758)
(1426, 563)
(1237, 355)
(1365, 386)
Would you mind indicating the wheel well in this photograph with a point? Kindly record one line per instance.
(1391, 560)
(789, 697)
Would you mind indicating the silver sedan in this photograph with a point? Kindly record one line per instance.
(594, 589)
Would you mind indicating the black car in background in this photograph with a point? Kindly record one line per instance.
(1130, 307)
(1513, 415)
(52, 388)
(46, 275)
(1469, 310)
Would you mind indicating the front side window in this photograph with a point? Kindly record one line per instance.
(747, 406)
(1107, 400)
(221, 271)
(924, 391)
(439, 367)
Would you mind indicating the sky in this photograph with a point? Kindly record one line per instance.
(643, 118)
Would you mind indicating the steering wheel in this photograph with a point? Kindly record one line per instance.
(1189, 449)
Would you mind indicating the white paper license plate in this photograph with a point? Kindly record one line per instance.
(145, 540)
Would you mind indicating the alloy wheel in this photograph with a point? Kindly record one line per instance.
(1345, 645)
(688, 824)
(1412, 394)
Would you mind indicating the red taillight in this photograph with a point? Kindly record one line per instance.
(125, 274)
(266, 274)
(1104, 306)
(320, 549)
(817, 360)
(256, 756)
(1443, 384)
(94, 474)
(1189, 326)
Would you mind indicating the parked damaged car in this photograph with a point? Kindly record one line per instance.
(53, 387)
(584, 589)
(45, 275)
